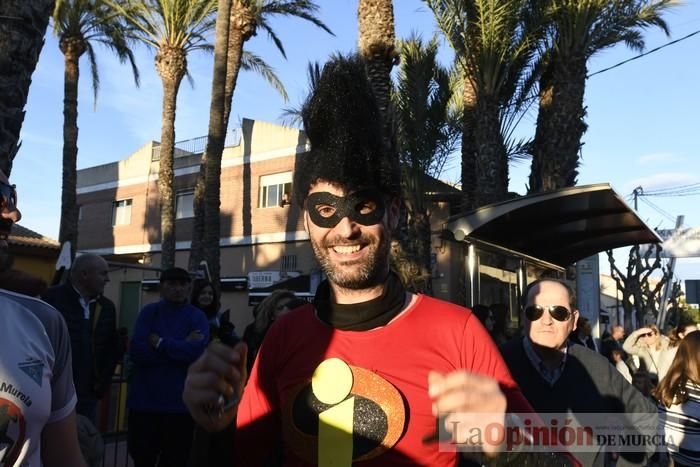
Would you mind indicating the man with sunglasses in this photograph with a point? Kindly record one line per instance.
(37, 398)
(558, 376)
(362, 373)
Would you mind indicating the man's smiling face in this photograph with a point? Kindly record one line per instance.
(353, 256)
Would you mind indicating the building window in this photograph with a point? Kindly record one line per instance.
(121, 212)
(184, 204)
(275, 188)
(80, 213)
(289, 263)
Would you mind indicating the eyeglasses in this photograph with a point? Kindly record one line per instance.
(648, 334)
(558, 312)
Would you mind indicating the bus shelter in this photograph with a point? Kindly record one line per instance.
(509, 244)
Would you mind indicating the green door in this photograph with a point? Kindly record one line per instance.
(130, 304)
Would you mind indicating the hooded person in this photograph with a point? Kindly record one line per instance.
(338, 380)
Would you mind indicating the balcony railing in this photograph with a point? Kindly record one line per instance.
(195, 146)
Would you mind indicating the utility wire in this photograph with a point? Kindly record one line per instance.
(644, 53)
(673, 188)
(658, 209)
(685, 190)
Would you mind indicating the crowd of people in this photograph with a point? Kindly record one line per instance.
(368, 372)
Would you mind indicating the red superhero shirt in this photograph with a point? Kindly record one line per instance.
(369, 401)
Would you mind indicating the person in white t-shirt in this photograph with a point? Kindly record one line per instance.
(37, 397)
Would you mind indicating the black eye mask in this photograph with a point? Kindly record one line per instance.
(365, 207)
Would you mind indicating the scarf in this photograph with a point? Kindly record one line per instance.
(361, 316)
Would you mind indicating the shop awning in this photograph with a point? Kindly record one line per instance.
(559, 226)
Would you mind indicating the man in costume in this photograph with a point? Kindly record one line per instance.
(92, 325)
(37, 398)
(561, 377)
(362, 373)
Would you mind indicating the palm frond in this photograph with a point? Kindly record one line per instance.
(94, 21)
(92, 59)
(422, 99)
(252, 62)
(291, 116)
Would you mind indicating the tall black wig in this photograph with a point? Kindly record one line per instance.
(344, 127)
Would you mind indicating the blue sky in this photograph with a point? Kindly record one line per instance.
(642, 117)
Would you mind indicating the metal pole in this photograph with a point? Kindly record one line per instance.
(661, 319)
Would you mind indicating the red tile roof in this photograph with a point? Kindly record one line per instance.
(24, 236)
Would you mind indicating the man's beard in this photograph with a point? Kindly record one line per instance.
(371, 272)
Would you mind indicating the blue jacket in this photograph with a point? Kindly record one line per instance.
(159, 377)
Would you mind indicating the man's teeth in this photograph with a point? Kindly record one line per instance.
(346, 249)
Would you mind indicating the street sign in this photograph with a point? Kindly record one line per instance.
(692, 291)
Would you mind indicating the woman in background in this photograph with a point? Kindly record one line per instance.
(204, 297)
(678, 394)
(653, 350)
(267, 311)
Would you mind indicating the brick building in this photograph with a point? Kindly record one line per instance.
(262, 236)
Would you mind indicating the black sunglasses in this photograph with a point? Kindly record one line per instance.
(558, 312)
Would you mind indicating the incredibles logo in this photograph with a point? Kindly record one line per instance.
(12, 432)
(343, 415)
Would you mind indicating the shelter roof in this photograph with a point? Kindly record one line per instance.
(559, 227)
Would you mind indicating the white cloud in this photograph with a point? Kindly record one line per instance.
(661, 180)
(656, 158)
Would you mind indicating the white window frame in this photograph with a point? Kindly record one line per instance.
(180, 211)
(281, 183)
(121, 212)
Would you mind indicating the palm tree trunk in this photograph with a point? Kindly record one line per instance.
(197, 243)
(72, 48)
(492, 160)
(198, 227)
(377, 46)
(469, 148)
(241, 28)
(560, 127)
(171, 64)
(423, 246)
(215, 144)
(22, 27)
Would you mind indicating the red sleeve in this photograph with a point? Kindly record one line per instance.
(258, 420)
(482, 356)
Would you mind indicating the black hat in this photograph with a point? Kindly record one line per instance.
(345, 128)
(175, 274)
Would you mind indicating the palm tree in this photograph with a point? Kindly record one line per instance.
(428, 130)
(495, 44)
(215, 138)
(249, 62)
(578, 30)
(173, 28)
(377, 44)
(22, 28)
(247, 16)
(78, 24)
